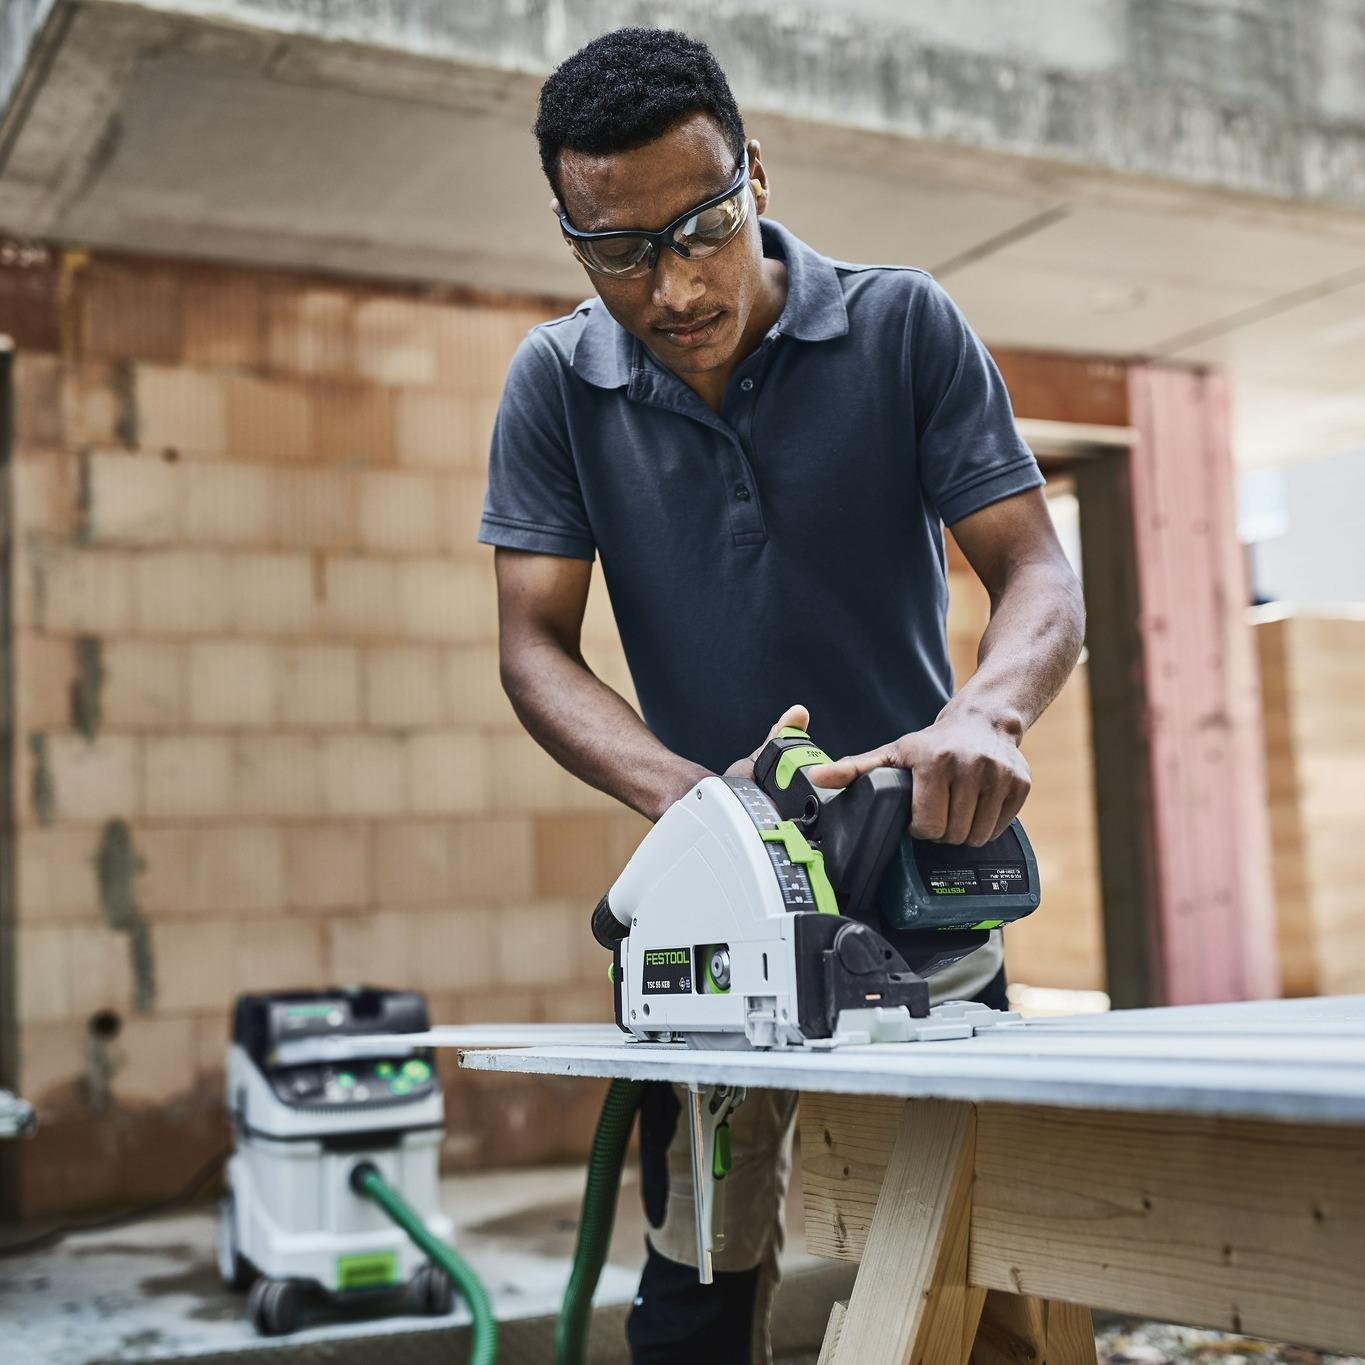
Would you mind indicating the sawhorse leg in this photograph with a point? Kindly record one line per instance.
(911, 1303)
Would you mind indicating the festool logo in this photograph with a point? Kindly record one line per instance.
(666, 957)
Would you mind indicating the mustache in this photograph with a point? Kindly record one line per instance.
(686, 324)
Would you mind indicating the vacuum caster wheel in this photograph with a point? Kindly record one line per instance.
(431, 1292)
(273, 1306)
(236, 1272)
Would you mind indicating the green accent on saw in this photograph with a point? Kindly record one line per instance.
(369, 1184)
(367, 1270)
(987, 924)
(417, 1070)
(792, 759)
(383, 1069)
(611, 972)
(791, 732)
(720, 1153)
(800, 852)
(345, 1080)
(712, 986)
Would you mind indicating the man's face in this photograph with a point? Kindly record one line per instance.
(691, 313)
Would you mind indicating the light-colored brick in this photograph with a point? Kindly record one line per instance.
(473, 689)
(44, 667)
(268, 419)
(446, 772)
(573, 856)
(411, 864)
(362, 775)
(581, 1004)
(167, 884)
(535, 945)
(155, 1058)
(283, 954)
(277, 775)
(232, 683)
(78, 590)
(361, 597)
(36, 401)
(475, 346)
(318, 685)
(101, 970)
(432, 427)
(352, 423)
(144, 683)
(453, 948)
(180, 410)
(92, 404)
(42, 969)
(272, 594)
(182, 591)
(239, 869)
(315, 509)
(440, 600)
(197, 963)
(461, 507)
(55, 867)
(327, 866)
(370, 949)
(493, 860)
(403, 687)
(398, 512)
(522, 777)
(309, 330)
(227, 504)
(45, 493)
(395, 341)
(188, 776)
(131, 499)
(51, 1064)
(94, 781)
(222, 321)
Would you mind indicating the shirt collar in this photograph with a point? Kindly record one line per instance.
(605, 353)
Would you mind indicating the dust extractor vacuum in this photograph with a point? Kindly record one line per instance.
(333, 1186)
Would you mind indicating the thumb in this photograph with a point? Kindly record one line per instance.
(796, 716)
(845, 770)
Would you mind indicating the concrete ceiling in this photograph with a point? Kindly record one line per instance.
(158, 134)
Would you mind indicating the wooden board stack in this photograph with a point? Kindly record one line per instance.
(1312, 677)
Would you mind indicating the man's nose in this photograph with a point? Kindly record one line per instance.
(676, 283)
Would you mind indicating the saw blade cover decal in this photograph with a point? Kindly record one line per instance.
(666, 971)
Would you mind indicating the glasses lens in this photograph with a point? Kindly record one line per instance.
(706, 232)
(612, 255)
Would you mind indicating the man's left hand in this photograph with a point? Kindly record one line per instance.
(970, 778)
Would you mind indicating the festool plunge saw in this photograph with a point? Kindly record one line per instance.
(772, 913)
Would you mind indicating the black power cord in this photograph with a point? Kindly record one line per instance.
(185, 1195)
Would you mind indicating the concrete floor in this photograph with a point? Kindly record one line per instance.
(150, 1291)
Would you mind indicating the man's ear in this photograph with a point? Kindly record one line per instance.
(758, 173)
(555, 207)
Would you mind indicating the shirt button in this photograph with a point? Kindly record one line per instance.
(741, 492)
(747, 385)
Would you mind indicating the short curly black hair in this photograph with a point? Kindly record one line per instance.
(627, 87)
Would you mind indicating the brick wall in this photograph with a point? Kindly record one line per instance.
(261, 737)
(262, 741)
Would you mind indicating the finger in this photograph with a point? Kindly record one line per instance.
(844, 770)
(796, 716)
(989, 804)
(741, 767)
(1011, 806)
(963, 797)
(929, 805)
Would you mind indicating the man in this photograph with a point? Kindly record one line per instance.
(762, 445)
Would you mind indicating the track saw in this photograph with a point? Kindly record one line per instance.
(772, 913)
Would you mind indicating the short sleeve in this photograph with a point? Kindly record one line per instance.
(970, 451)
(534, 500)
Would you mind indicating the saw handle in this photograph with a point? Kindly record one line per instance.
(606, 928)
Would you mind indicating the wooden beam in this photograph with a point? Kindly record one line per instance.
(1242, 1225)
(1015, 1328)
(1213, 889)
(911, 1301)
(1053, 387)
(1118, 732)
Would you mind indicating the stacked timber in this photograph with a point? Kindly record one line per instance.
(1312, 679)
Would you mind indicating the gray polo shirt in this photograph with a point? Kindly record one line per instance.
(788, 548)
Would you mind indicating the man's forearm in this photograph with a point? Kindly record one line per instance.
(591, 730)
(1028, 650)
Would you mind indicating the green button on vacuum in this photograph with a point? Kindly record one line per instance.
(345, 1080)
(400, 1085)
(416, 1070)
(384, 1069)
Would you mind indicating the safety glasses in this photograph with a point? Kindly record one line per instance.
(701, 231)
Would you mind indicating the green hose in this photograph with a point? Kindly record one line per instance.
(366, 1181)
(595, 1221)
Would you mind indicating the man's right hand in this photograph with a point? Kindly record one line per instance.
(793, 715)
